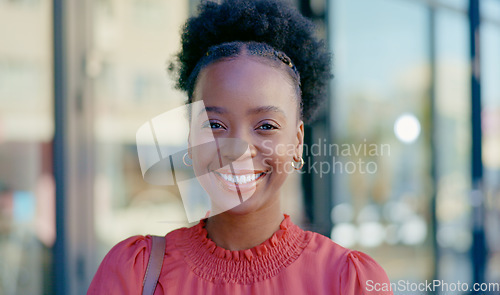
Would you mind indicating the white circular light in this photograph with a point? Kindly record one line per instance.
(391, 234)
(407, 128)
(369, 213)
(371, 234)
(345, 234)
(413, 231)
(342, 213)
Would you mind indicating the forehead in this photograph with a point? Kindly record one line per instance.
(251, 79)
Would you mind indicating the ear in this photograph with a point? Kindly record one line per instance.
(299, 147)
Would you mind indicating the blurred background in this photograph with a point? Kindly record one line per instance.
(416, 90)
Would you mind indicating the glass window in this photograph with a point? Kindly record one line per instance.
(490, 9)
(490, 75)
(453, 143)
(457, 4)
(381, 112)
(133, 43)
(27, 230)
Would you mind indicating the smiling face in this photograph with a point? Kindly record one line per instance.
(252, 110)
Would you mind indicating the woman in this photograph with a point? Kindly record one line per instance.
(260, 73)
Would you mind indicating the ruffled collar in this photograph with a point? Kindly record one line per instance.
(263, 261)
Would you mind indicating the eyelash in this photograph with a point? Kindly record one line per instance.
(271, 126)
(267, 124)
(213, 123)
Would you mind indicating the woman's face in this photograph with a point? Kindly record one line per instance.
(252, 112)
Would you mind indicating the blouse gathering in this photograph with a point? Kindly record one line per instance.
(291, 261)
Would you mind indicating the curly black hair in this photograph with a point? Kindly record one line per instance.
(284, 34)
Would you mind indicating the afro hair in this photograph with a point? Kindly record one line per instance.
(272, 22)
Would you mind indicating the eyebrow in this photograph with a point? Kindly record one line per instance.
(217, 110)
(209, 109)
(266, 109)
(257, 110)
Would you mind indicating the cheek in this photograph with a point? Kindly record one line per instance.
(198, 134)
(204, 159)
(278, 155)
(285, 150)
(203, 148)
(279, 147)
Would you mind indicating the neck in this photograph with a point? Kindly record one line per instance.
(245, 231)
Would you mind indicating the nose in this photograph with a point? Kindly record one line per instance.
(237, 147)
(233, 149)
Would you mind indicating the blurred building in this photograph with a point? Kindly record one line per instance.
(407, 167)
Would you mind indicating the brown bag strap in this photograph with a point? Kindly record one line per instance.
(154, 265)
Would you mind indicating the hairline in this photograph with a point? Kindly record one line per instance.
(244, 53)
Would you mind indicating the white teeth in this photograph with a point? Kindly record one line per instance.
(240, 179)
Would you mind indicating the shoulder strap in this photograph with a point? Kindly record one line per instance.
(154, 265)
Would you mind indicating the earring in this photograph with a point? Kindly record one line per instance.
(301, 164)
(184, 160)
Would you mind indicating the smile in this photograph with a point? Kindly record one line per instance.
(240, 179)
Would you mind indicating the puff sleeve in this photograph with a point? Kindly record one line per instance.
(122, 269)
(361, 275)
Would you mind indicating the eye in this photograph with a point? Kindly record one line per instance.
(213, 125)
(267, 126)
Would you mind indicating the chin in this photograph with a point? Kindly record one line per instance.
(242, 209)
(253, 204)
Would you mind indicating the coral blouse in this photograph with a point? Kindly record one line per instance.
(291, 261)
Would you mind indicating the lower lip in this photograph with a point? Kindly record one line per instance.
(243, 188)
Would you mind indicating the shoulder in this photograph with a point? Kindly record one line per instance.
(356, 272)
(363, 274)
(133, 246)
(123, 267)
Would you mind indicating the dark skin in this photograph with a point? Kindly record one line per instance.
(254, 100)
